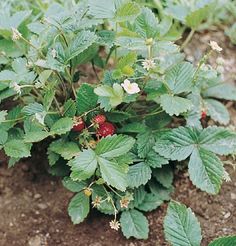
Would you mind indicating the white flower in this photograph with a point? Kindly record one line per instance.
(148, 64)
(215, 46)
(15, 87)
(114, 225)
(130, 88)
(40, 117)
(16, 35)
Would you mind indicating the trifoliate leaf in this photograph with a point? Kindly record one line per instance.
(113, 146)
(84, 165)
(174, 105)
(78, 208)
(139, 174)
(181, 227)
(134, 224)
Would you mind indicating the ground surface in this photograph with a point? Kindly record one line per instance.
(33, 204)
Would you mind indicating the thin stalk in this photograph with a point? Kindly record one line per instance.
(187, 40)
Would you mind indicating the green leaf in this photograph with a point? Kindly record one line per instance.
(206, 171)
(181, 227)
(146, 24)
(113, 174)
(224, 241)
(36, 136)
(154, 160)
(179, 78)
(113, 146)
(17, 149)
(139, 174)
(4, 137)
(117, 116)
(164, 176)
(102, 9)
(81, 42)
(33, 108)
(86, 98)
(64, 148)
(127, 11)
(174, 105)
(126, 60)
(70, 108)
(221, 91)
(150, 202)
(145, 143)
(139, 195)
(84, 165)
(73, 186)
(217, 111)
(134, 224)
(78, 208)
(195, 18)
(219, 140)
(177, 144)
(62, 126)
(205, 168)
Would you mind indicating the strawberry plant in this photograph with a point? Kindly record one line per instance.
(115, 141)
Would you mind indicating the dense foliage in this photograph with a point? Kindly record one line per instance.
(116, 142)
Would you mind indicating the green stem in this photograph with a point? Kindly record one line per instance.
(187, 40)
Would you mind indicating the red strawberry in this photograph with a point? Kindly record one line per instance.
(99, 119)
(79, 124)
(203, 115)
(106, 129)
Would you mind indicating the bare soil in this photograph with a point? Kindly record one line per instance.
(33, 204)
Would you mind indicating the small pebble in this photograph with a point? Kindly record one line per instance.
(233, 196)
(227, 215)
(37, 196)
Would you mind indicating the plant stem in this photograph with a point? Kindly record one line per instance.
(187, 40)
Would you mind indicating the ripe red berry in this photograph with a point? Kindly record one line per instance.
(99, 119)
(106, 129)
(203, 115)
(79, 124)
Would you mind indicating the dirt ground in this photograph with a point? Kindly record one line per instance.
(33, 204)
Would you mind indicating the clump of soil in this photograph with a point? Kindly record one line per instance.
(33, 204)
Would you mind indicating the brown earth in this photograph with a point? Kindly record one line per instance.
(33, 204)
